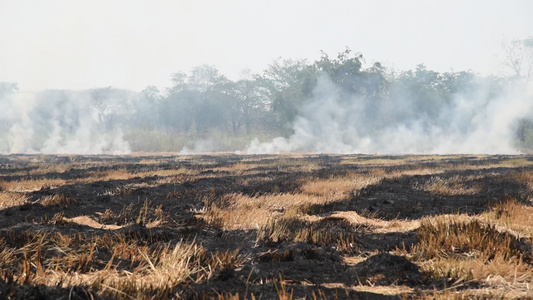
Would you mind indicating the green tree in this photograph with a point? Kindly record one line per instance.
(288, 83)
(146, 115)
(195, 101)
(344, 70)
(247, 104)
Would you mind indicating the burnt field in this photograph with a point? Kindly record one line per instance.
(265, 227)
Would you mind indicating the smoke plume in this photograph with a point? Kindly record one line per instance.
(54, 121)
(483, 119)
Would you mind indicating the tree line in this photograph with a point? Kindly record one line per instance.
(203, 104)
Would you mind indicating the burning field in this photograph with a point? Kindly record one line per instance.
(265, 227)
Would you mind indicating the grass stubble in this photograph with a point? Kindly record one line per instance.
(462, 255)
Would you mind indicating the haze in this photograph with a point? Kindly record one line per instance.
(133, 44)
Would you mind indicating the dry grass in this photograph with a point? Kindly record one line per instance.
(399, 291)
(31, 184)
(167, 173)
(512, 215)
(57, 200)
(338, 188)
(464, 250)
(524, 177)
(54, 259)
(377, 225)
(336, 233)
(240, 211)
(452, 186)
(239, 168)
(247, 212)
(124, 252)
(374, 161)
(55, 168)
(9, 199)
(158, 271)
(453, 236)
(516, 162)
(497, 272)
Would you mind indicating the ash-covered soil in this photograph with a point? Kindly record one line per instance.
(164, 200)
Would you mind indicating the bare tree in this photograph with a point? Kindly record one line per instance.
(519, 58)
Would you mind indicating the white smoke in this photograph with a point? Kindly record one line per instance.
(55, 122)
(475, 121)
(200, 146)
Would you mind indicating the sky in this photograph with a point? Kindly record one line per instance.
(131, 44)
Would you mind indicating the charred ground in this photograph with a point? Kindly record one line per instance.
(289, 226)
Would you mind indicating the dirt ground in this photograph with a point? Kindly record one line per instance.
(361, 222)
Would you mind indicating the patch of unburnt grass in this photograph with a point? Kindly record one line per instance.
(241, 211)
(463, 251)
(523, 176)
(53, 168)
(374, 160)
(30, 185)
(10, 199)
(57, 199)
(113, 264)
(337, 188)
(166, 268)
(513, 215)
(455, 185)
(332, 233)
(449, 235)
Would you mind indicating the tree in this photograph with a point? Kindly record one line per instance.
(200, 79)
(288, 83)
(519, 58)
(247, 103)
(344, 71)
(105, 108)
(151, 93)
(195, 101)
(146, 113)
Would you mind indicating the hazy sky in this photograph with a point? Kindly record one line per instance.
(131, 44)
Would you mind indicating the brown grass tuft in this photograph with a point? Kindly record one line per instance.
(510, 214)
(9, 199)
(336, 233)
(462, 250)
(57, 200)
(450, 236)
(450, 186)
